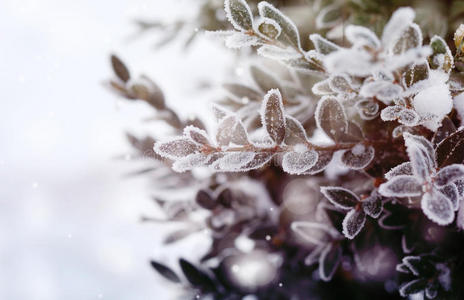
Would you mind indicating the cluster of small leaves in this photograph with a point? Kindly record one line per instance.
(431, 276)
(233, 149)
(381, 99)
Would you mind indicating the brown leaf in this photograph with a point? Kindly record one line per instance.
(273, 118)
(231, 130)
(331, 118)
(451, 149)
(120, 69)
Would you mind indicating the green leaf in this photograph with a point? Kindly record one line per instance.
(322, 45)
(441, 57)
(410, 38)
(269, 28)
(289, 30)
(239, 14)
(415, 74)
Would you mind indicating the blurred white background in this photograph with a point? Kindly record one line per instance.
(69, 220)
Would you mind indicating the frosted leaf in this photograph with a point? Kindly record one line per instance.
(238, 40)
(431, 291)
(313, 257)
(391, 113)
(411, 37)
(239, 14)
(234, 161)
(402, 268)
(358, 157)
(331, 118)
(412, 287)
(220, 112)
(259, 160)
(402, 169)
(197, 135)
(263, 79)
(324, 158)
(367, 110)
(322, 88)
(278, 53)
(426, 144)
(460, 187)
(451, 192)
(451, 149)
(289, 30)
(294, 132)
(353, 134)
(435, 100)
(385, 91)
(340, 83)
(329, 260)
(356, 62)
(231, 130)
(399, 20)
(413, 263)
(322, 45)
(361, 36)
(177, 148)
(415, 78)
(316, 233)
(460, 217)
(373, 205)
(340, 197)
(408, 117)
(190, 162)
(272, 116)
(297, 162)
(267, 27)
(449, 174)
(399, 130)
(419, 155)
(401, 186)
(442, 58)
(329, 16)
(438, 208)
(445, 130)
(353, 223)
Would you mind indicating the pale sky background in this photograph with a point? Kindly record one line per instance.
(68, 218)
